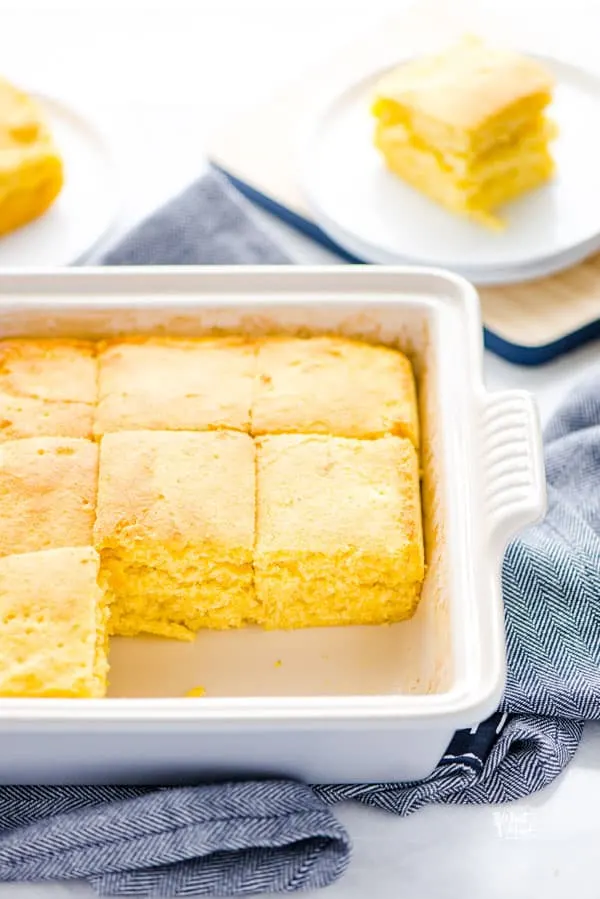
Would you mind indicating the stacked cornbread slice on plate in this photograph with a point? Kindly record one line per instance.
(478, 159)
(166, 485)
(467, 127)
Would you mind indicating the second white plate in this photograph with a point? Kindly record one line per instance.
(374, 215)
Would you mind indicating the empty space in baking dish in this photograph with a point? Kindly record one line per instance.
(414, 657)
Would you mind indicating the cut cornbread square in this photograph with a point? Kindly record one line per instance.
(175, 530)
(31, 170)
(467, 127)
(47, 387)
(171, 384)
(332, 385)
(339, 536)
(47, 493)
(466, 99)
(53, 625)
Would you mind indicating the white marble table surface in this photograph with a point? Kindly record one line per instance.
(159, 76)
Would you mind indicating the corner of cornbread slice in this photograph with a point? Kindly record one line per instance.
(53, 625)
(47, 493)
(339, 538)
(173, 384)
(175, 530)
(31, 169)
(47, 387)
(333, 385)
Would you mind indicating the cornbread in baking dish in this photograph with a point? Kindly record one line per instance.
(53, 625)
(467, 127)
(31, 169)
(175, 530)
(48, 489)
(172, 384)
(339, 535)
(47, 387)
(230, 482)
(332, 385)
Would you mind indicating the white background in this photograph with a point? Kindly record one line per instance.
(158, 77)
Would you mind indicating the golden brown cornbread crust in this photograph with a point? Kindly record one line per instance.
(336, 386)
(53, 620)
(48, 489)
(321, 494)
(151, 481)
(174, 384)
(77, 388)
(467, 86)
(198, 521)
(47, 387)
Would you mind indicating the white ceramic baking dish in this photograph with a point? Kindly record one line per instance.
(339, 704)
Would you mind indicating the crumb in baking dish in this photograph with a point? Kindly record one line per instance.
(196, 692)
(31, 169)
(47, 387)
(336, 386)
(48, 491)
(467, 127)
(172, 384)
(175, 530)
(339, 538)
(53, 625)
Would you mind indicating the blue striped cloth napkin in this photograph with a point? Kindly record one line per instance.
(281, 836)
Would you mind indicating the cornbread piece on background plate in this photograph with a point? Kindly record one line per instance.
(53, 625)
(467, 127)
(31, 170)
(48, 489)
(332, 385)
(175, 530)
(339, 535)
(47, 387)
(171, 384)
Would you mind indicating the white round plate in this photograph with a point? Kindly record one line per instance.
(375, 216)
(86, 207)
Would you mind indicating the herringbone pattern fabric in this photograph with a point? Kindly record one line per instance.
(280, 836)
(551, 588)
(229, 839)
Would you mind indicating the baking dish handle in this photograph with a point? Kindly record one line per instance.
(515, 487)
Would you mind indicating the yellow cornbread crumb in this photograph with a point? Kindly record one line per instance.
(339, 537)
(47, 493)
(169, 384)
(175, 530)
(331, 385)
(31, 171)
(53, 617)
(47, 387)
(196, 692)
(467, 127)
